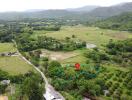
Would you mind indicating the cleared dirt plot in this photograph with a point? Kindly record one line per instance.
(58, 55)
(14, 65)
(65, 57)
(7, 47)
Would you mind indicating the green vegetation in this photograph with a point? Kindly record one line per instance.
(33, 89)
(121, 52)
(95, 77)
(26, 87)
(55, 49)
(25, 43)
(14, 65)
(7, 47)
(89, 34)
(119, 22)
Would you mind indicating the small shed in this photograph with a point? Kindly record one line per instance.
(89, 46)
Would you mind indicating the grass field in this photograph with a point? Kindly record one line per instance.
(7, 47)
(89, 34)
(14, 65)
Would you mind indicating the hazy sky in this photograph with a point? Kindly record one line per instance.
(21, 5)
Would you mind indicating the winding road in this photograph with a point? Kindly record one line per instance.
(51, 93)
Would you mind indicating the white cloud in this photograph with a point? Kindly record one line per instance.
(20, 5)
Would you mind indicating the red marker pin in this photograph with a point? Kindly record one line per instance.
(77, 66)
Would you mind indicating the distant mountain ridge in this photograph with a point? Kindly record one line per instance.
(105, 12)
(86, 13)
(83, 9)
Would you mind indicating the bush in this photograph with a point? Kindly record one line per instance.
(109, 75)
(123, 75)
(120, 79)
(116, 95)
(116, 85)
(17, 79)
(111, 90)
(3, 75)
(119, 90)
(45, 64)
(2, 88)
(125, 97)
(128, 92)
(129, 85)
(73, 36)
(115, 78)
(35, 62)
(108, 84)
(45, 59)
(54, 64)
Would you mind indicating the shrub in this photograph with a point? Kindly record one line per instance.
(124, 97)
(73, 36)
(129, 85)
(108, 84)
(128, 92)
(45, 64)
(116, 95)
(111, 90)
(120, 80)
(116, 85)
(45, 59)
(115, 78)
(54, 64)
(35, 62)
(2, 88)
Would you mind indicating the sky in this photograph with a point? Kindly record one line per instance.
(22, 5)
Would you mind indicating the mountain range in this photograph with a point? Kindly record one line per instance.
(85, 13)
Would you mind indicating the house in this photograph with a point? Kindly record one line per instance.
(5, 82)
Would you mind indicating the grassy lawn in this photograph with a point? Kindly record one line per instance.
(7, 47)
(89, 34)
(14, 65)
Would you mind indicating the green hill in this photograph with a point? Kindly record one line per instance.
(120, 22)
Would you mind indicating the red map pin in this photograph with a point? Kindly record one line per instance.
(77, 66)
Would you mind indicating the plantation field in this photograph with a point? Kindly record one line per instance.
(7, 47)
(14, 65)
(89, 34)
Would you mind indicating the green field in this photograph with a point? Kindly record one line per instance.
(7, 47)
(14, 65)
(89, 34)
(92, 35)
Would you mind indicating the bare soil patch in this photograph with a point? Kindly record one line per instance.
(3, 98)
(58, 55)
